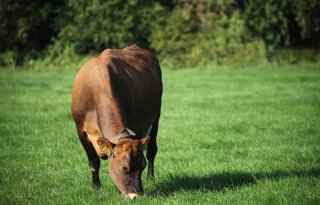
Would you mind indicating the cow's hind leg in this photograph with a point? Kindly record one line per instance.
(152, 148)
(93, 158)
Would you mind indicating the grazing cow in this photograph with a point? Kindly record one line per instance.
(116, 103)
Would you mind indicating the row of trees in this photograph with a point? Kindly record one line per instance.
(185, 32)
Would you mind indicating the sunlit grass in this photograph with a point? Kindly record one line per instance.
(240, 136)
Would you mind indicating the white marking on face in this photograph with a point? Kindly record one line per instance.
(93, 169)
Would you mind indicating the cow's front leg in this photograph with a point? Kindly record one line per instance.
(151, 153)
(94, 166)
(152, 149)
(93, 159)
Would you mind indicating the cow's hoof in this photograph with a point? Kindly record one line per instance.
(96, 185)
(150, 177)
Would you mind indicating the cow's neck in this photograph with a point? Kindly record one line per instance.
(113, 121)
(112, 116)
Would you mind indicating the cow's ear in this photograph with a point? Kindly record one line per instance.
(144, 141)
(106, 146)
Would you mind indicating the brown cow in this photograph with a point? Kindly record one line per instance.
(116, 102)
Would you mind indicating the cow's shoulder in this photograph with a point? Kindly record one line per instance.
(136, 55)
(133, 51)
(136, 50)
(107, 56)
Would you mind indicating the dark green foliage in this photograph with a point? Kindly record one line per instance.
(26, 27)
(96, 25)
(176, 33)
(268, 20)
(306, 14)
(182, 33)
(200, 32)
(283, 23)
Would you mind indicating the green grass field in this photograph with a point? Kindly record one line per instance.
(231, 136)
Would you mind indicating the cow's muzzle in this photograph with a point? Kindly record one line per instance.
(132, 196)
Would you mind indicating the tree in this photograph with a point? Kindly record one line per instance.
(27, 26)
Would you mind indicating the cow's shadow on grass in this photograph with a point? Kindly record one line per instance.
(221, 181)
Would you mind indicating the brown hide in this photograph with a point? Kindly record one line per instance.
(115, 91)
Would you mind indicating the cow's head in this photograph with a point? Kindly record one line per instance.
(126, 163)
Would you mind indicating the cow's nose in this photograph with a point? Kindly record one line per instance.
(132, 195)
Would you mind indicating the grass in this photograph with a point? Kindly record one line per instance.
(240, 136)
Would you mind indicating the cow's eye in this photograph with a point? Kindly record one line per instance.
(125, 166)
(125, 169)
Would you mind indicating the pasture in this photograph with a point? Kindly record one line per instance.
(231, 136)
